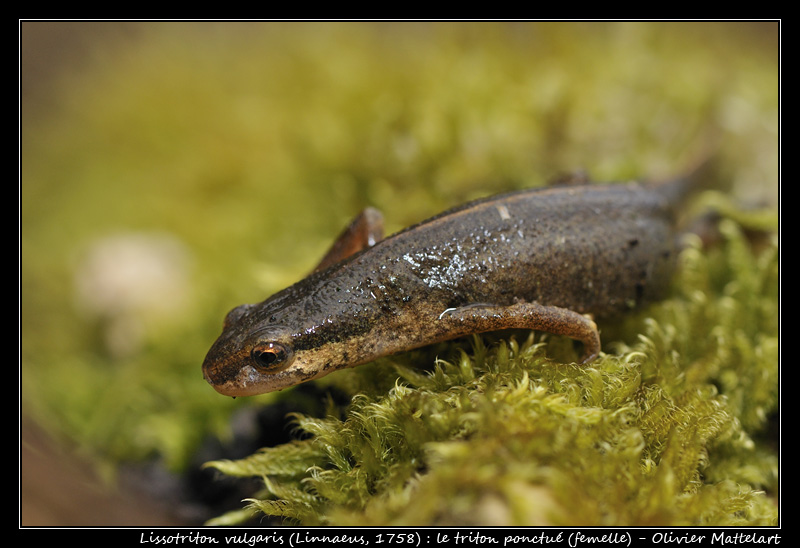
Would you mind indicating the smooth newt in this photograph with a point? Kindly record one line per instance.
(548, 259)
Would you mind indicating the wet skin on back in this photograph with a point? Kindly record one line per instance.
(543, 259)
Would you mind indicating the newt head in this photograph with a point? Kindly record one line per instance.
(249, 358)
(255, 355)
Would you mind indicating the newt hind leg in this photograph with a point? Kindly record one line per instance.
(364, 231)
(480, 318)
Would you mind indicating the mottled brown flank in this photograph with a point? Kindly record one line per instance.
(536, 259)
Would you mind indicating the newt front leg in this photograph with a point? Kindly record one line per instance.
(482, 318)
(364, 231)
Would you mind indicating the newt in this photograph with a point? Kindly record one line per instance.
(550, 259)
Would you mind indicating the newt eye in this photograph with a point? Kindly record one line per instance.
(271, 357)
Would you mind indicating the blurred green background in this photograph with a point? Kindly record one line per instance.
(171, 171)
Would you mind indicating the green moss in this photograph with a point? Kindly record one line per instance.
(251, 145)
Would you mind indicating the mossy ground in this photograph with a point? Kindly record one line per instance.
(248, 146)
